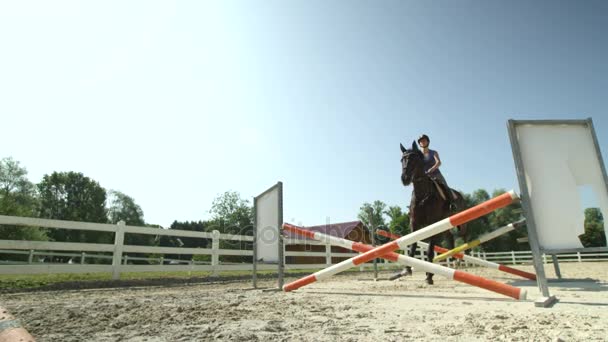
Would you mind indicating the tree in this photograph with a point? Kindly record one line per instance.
(232, 214)
(74, 197)
(124, 208)
(399, 221)
(477, 227)
(189, 242)
(376, 209)
(595, 235)
(17, 198)
(17, 193)
(501, 217)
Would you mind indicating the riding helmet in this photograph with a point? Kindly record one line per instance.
(424, 136)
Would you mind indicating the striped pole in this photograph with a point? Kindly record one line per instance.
(505, 289)
(424, 233)
(484, 238)
(472, 260)
(11, 329)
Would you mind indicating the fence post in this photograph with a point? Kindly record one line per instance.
(126, 258)
(119, 238)
(30, 258)
(578, 255)
(484, 255)
(161, 260)
(215, 257)
(327, 254)
(82, 256)
(513, 257)
(544, 258)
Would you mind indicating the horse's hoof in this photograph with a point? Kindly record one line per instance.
(395, 276)
(429, 281)
(403, 273)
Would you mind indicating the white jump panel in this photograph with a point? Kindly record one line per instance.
(558, 159)
(268, 226)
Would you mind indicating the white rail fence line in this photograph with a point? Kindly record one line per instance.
(120, 261)
(116, 250)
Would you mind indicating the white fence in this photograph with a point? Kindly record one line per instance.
(80, 252)
(525, 257)
(117, 250)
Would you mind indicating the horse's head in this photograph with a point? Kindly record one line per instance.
(412, 163)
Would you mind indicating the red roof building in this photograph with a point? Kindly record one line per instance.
(354, 231)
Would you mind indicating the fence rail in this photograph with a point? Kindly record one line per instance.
(117, 261)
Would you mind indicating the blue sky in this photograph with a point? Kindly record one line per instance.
(174, 103)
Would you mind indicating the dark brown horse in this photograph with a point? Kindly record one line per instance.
(427, 205)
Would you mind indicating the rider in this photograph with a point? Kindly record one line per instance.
(432, 164)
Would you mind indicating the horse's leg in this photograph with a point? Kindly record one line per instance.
(407, 270)
(430, 254)
(412, 254)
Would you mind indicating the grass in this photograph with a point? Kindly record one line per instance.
(28, 281)
(17, 282)
(14, 282)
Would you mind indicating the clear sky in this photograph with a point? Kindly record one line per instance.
(174, 103)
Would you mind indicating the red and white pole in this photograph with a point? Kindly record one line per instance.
(424, 233)
(471, 279)
(485, 238)
(468, 258)
(11, 329)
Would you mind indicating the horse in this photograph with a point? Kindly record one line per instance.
(427, 206)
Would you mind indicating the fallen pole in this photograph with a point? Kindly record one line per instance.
(468, 258)
(424, 233)
(484, 238)
(471, 279)
(11, 329)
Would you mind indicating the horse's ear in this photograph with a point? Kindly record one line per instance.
(402, 148)
(414, 146)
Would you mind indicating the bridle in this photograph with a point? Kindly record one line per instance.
(404, 164)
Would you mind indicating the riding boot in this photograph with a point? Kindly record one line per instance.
(449, 197)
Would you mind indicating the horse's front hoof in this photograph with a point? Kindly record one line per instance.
(429, 281)
(407, 271)
(395, 276)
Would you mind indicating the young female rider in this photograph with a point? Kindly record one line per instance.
(432, 164)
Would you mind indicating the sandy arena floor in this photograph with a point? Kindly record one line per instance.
(349, 307)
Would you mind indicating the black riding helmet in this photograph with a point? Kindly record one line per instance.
(424, 136)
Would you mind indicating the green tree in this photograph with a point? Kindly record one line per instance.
(399, 221)
(74, 197)
(501, 217)
(17, 198)
(232, 214)
(595, 235)
(481, 225)
(377, 209)
(123, 208)
(189, 242)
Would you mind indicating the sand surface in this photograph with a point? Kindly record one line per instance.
(349, 307)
